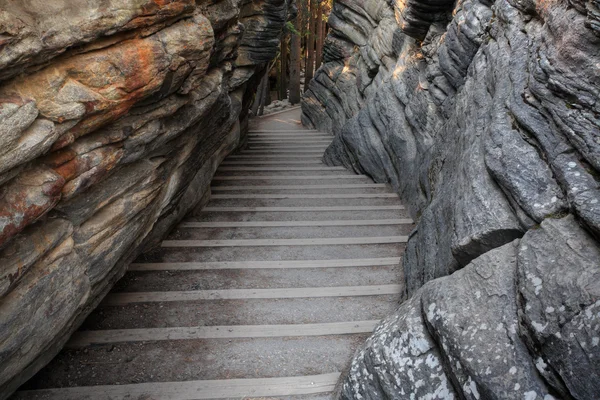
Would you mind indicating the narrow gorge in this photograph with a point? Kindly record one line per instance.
(260, 254)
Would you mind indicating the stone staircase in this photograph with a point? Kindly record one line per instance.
(268, 292)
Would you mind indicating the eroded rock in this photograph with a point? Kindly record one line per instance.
(113, 120)
(481, 127)
(483, 115)
(490, 330)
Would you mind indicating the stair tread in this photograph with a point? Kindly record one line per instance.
(242, 312)
(285, 242)
(202, 359)
(287, 177)
(271, 253)
(287, 231)
(301, 187)
(247, 224)
(202, 389)
(333, 263)
(89, 338)
(117, 299)
(304, 208)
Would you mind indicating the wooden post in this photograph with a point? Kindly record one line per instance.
(296, 59)
(319, 49)
(310, 44)
(283, 68)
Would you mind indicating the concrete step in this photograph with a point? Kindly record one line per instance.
(278, 264)
(198, 359)
(276, 157)
(289, 141)
(261, 242)
(342, 188)
(291, 138)
(299, 133)
(309, 215)
(248, 180)
(271, 253)
(162, 281)
(279, 168)
(83, 339)
(312, 152)
(297, 224)
(284, 163)
(219, 233)
(202, 389)
(122, 299)
(284, 149)
(242, 312)
(306, 176)
(283, 171)
(303, 200)
(294, 209)
(299, 130)
(285, 146)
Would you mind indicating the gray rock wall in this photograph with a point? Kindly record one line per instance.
(113, 120)
(485, 116)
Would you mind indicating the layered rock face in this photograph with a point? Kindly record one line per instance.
(114, 116)
(485, 116)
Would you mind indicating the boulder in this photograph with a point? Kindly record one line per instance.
(491, 330)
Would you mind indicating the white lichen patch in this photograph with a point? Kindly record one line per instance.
(531, 395)
(539, 327)
(540, 365)
(536, 281)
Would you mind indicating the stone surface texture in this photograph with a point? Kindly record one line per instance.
(114, 116)
(485, 117)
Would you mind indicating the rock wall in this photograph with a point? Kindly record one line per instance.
(485, 116)
(114, 116)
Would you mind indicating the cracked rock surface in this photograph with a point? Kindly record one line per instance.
(519, 322)
(485, 117)
(114, 116)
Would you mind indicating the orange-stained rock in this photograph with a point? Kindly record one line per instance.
(96, 88)
(20, 255)
(114, 116)
(35, 31)
(26, 199)
(92, 167)
(38, 312)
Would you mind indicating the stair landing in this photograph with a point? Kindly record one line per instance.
(266, 294)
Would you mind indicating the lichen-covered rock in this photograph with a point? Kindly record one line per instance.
(491, 330)
(484, 116)
(485, 127)
(113, 120)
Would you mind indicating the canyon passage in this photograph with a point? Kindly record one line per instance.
(415, 216)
